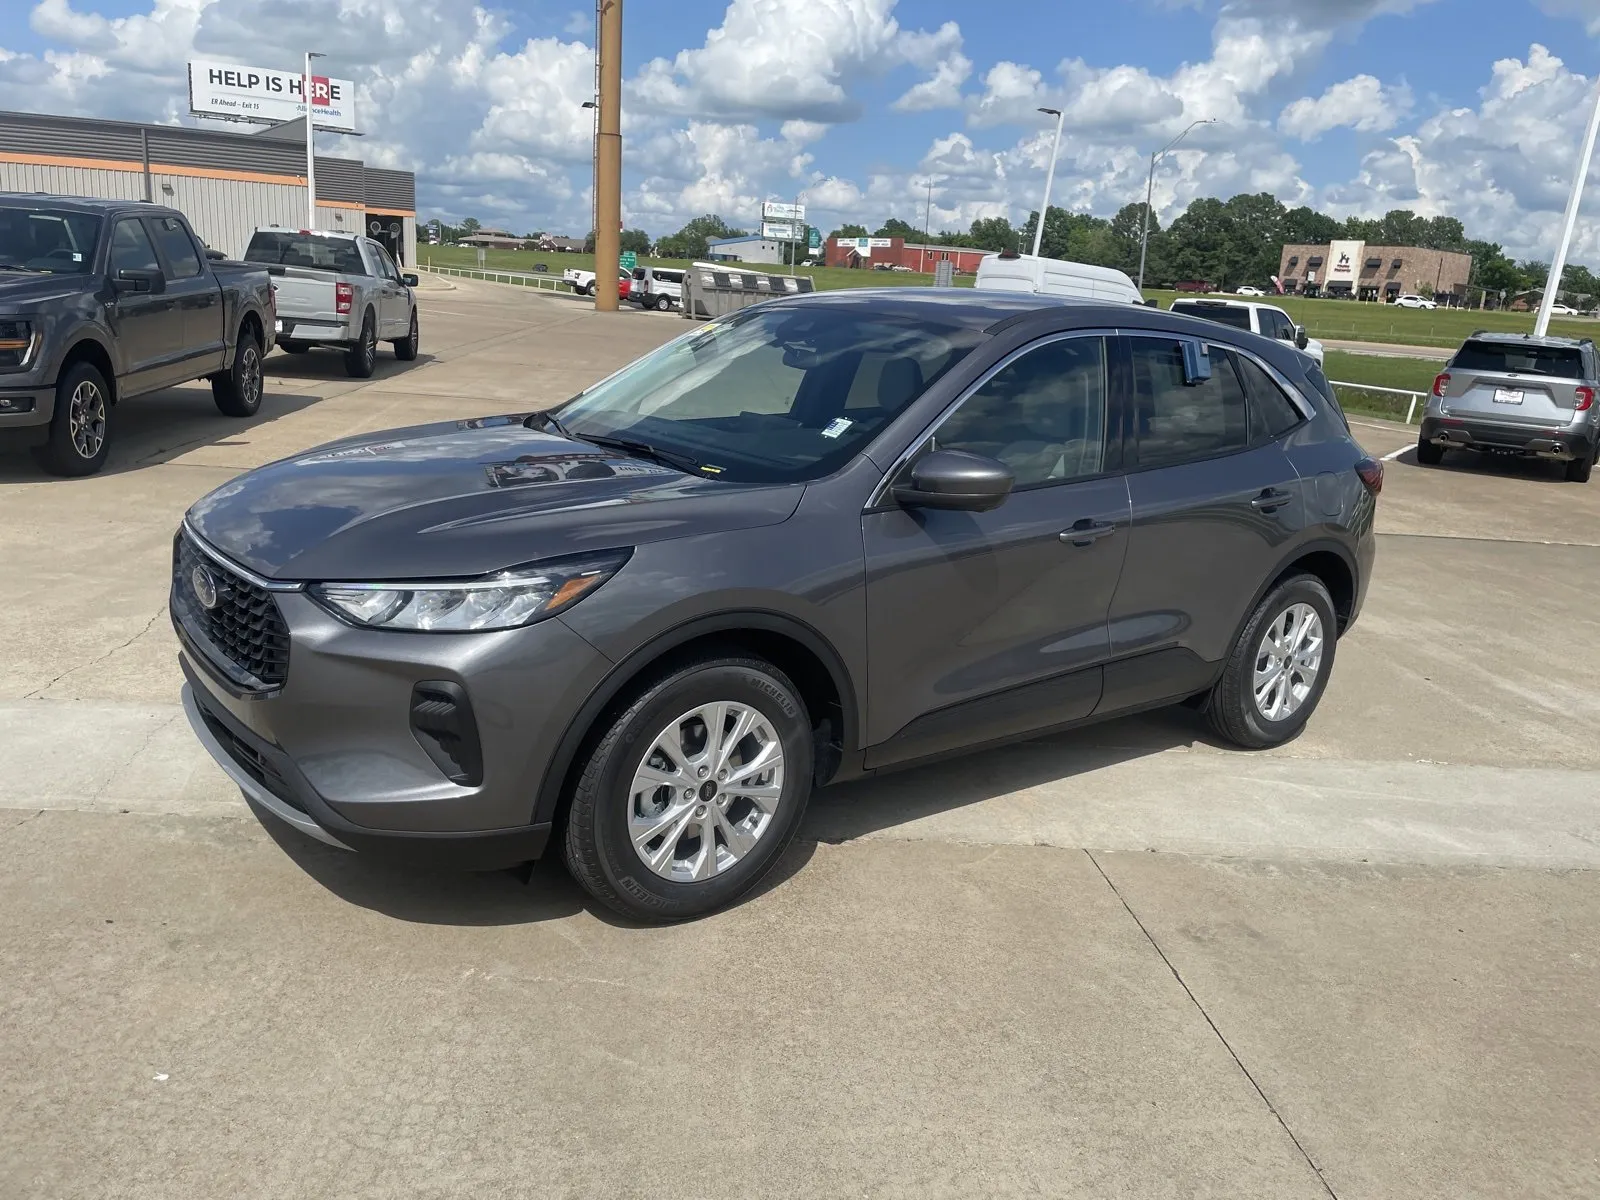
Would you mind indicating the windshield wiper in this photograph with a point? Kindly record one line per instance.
(23, 270)
(547, 420)
(640, 449)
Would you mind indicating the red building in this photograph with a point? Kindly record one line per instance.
(866, 253)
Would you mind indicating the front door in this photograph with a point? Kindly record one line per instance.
(148, 326)
(394, 306)
(1215, 501)
(984, 625)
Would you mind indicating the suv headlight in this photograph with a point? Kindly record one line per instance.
(19, 342)
(505, 600)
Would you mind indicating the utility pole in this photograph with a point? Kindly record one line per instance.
(1049, 177)
(1552, 283)
(311, 144)
(608, 157)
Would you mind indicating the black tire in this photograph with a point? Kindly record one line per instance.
(1429, 455)
(239, 389)
(362, 358)
(1232, 708)
(294, 347)
(1579, 469)
(80, 427)
(599, 851)
(588, 289)
(663, 303)
(406, 348)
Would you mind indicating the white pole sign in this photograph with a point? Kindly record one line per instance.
(779, 231)
(771, 210)
(267, 97)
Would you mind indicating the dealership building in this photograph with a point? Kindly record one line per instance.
(225, 181)
(1362, 272)
(897, 252)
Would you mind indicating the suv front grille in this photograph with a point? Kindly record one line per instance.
(242, 633)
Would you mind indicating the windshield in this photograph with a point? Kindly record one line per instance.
(284, 248)
(772, 394)
(1559, 362)
(1223, 314)
(48, 240)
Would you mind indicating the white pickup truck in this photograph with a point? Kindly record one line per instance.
(340, 290)
(1265, 319)
(583, 282)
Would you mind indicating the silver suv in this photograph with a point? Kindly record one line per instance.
(1513, 393)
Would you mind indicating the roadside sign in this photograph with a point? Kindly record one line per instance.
(771, 210)
(815, 241)
(944, 273)
(628, 260)
(779, 231)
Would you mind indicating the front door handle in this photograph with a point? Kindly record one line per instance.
(1271, 500)
(1087, 532)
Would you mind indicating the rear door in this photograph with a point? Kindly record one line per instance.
(1513, 384)
(148, 326)
(197, 295)
(1215, 501)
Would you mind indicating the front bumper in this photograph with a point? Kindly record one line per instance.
(1465, 433)
(26, 408)
(336, 751)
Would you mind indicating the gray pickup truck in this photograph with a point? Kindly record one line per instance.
(340, 290)
(104, 300)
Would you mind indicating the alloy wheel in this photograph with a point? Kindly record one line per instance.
(705, 792)
(250, 375)
(86, 419)
(1288, 662)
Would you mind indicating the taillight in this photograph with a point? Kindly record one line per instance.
(1440, 382)
(344, 298)
(1583, 399)
(1371, 472)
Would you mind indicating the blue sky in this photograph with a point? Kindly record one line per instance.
(1472, 108)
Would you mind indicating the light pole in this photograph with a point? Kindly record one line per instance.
(594, 185)
(1149, 193)
(1049, 176)
(1552, 283)
(927, 228)
(311, 145)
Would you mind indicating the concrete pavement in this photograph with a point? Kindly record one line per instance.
(1120, 962)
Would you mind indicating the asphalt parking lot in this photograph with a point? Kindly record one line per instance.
(1120, 962)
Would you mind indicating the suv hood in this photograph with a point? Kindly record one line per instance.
(463, 498)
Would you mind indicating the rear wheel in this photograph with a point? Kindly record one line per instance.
(1279, 667)
(362, 358)
(663, 303)
(1579, 469)
(406, 348)
(80, 428)
(1429, 455)
(587, 289)
(238, 390)
(693, 792)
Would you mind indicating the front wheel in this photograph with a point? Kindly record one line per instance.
(362, 358)
(80, 428)
(692, 793)
(406, 348)
(1279, 667)
(238, 390)
(1429, 455)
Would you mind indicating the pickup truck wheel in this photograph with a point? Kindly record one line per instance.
(362, 358)
(406, 348)
(238, 390)
(80, 429)
(588, 289)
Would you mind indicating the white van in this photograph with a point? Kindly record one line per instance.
(657, 287)
(1054, 277)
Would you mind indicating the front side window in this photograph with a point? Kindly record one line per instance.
(47, 241)
(1043, 414)
(131, 249)
(183, 260)
(772, 395)
(1177, 422)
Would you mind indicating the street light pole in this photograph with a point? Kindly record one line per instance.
(927, 228)
(1049, 177)
(1149, 193)
(311, 145)
(1552, 283)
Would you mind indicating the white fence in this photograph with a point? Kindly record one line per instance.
(1411, 409)
(548, 283)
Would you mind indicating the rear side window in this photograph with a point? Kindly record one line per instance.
(1223, 314)
(1557, 362)
(178, 247)
(1318, 380)
(285, 248)
(1176, 422)
(1272, 414)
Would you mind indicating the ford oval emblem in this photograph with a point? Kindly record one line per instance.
(205, 588)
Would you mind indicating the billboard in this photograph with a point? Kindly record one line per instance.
(771, 210)
(1344, 262)
(863, 246)
(267, 97)
(780, 231)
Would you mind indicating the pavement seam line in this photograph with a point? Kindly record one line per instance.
(43, 688)
(1201, 1009)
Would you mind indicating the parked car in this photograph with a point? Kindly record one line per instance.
(339, 290)
(1513, 393)
(105, 300)
(583, 282)
(656, 287)
(1247, 290)
(1409, 301)
(825, 536)
(1012, 272)
(1264, 319)
(1563, 310)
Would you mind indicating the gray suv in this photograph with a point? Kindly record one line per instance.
(823, 537)
(1512, 393)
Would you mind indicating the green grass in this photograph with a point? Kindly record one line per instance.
(1411, 374)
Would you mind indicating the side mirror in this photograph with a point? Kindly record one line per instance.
(216, 255)
(131, 280)
(409, 280)
(1300, 338)
(954, 479)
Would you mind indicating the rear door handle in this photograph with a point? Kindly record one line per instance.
(1271, 500)
(1087, 532)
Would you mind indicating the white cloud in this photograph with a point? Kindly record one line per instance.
(941, 90)
(1362, 103)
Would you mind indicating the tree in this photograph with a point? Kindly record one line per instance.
(690, 241)
(1127, 230)
(1201, 242)
(1255, 237)
(849, 231)
(1306, 227)
(991, 233)
(895, 227)
(470, 226)
(1362, 229)
(590, 242)
(636, 240)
